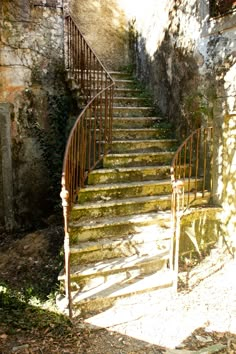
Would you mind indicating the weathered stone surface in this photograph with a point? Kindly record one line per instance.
(105, 26)
(32, 78)
(6, 171)
(203, 225)
(187, 59)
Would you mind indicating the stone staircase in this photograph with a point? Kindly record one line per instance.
(120, 227)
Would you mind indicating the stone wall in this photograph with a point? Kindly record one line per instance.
(32, 80)
(187, 60)
(228, 181)
(105, 27)
(201, 228)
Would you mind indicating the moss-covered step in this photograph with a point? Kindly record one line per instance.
(130, 206)
(123, 190)
(131, 190)
(135, 122)
(137, 159)
(127, 206)
(127, 92)
(145, 111)
(106, 291)
(141, 244)
(125, 83)
(128, 174)
(140, 134)
(131, 174)
(88, 276)
(95, 229)
(131, 101)
(143, 145)
(120, 75)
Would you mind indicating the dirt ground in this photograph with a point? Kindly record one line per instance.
(29, 265)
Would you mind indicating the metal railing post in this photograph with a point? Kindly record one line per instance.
(83, 150)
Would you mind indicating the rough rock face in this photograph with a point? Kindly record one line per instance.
(105, 26)
(34, 94)
(187, 59)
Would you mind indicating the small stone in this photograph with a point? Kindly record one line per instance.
(3, 336)
(204, 339)
(20, 347)
(212, 349)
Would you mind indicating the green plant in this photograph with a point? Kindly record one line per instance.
(52, 142)
(17, 314)
(197, 107)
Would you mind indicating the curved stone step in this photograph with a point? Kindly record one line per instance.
(104, 293)
(119, 75)
(133, 111)
(145, 243)
(128, 174)
(106, 192)
(131, 101)
(135, 122)
(119, 146)
(95, 229)
(127, 83)
(123, 190)
(127, 92)
(138, 159)
(128, 206)
(140, 134)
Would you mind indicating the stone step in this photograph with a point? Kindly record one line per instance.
(111, 288)
(140, 245)
(136, 122)
(120, 207)
(128, 174)
(137, 159)
(130, 206)
(125, 83)
(119, 75)
(133, 111)
(118, 91)
(108, 192)
(124, 146)
(131, 101)
(95, 229)
(127, 92)
(140, 134)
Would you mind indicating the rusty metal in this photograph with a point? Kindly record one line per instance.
(89, 139)
(191, 165)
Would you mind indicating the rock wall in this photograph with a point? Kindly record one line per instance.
(33, 82)
(201, 228)
(228, 182)
(105, 27)
(188, 61)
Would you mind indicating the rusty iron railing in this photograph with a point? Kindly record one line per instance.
(91, 135)
(191, 177)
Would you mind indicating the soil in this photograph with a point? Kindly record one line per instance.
(29, 322)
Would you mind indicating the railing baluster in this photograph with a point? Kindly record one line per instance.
(191, 150)
(205, 162)
(83, 150)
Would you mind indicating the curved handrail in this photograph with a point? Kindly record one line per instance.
(191, 178)
(91, 135)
